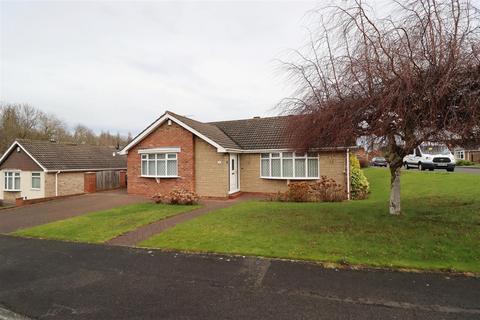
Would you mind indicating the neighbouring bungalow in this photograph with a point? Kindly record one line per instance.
(226, 158)
(32, 169)
(469, 154)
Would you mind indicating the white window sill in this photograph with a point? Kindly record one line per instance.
(296, 178)
(163, 177)
(34, 189)
(8, 190)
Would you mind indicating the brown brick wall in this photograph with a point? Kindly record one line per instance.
(49, 185)
(20, 161)
(9, 196)
(211, 170)
(332, 164)
(250, 180)
(164, 136)
(68, 183)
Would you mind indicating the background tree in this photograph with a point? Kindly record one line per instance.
(403, 79)
(27, 122)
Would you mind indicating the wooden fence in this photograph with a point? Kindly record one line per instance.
(107, 180)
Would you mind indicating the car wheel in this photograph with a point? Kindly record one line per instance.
(431, 169)
(421, 167)
(450, 169)
(406, 165)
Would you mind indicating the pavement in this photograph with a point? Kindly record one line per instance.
(468, 170)
(40, 213)
(143, 233)
(42, 279)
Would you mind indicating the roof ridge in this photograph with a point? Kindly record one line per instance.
(251, 119)
(48, 142)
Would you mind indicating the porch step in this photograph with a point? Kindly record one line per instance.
(235, 195)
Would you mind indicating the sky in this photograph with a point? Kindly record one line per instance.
(119, 65)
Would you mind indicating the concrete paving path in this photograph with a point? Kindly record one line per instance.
(40, 213)
(49, 280)
(143, 233)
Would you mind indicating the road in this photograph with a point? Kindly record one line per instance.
(59, 280)
(457, 169)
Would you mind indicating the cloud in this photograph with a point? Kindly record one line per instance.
(118, 65)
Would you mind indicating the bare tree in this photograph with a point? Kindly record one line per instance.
(403, 81)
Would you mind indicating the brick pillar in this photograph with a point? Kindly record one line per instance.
(90, 182)
(19, 202)
(123, 179)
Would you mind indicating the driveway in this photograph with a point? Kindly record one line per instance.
(41, 213)
(60, 280)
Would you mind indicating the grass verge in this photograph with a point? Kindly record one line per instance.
(101, 226)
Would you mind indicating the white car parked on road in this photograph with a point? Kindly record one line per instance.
(430, 157)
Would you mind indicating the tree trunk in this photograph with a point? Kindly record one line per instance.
(395, 190)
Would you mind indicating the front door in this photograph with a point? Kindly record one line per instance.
(233, 168)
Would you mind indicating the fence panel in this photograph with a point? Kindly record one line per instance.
(108, 180)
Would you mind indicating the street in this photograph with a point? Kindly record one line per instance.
(59, 280)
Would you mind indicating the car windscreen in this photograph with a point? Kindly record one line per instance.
(435, 150)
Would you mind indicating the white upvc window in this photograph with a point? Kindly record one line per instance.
(36, 180)
(12, 181)
(460, 154)
(159, 165)
(289, 165)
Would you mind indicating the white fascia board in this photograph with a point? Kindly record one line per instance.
(161, 120)
(160, 150)
(16, 143)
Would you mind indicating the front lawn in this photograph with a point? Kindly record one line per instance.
(98, 227)
(440, 227)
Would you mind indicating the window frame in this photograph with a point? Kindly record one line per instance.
(14, 174)
(167, 157)
(293, 156)
(39, 179)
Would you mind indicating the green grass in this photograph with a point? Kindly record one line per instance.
(98, 227)
(439, 228)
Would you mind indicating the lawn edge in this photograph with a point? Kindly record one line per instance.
(13, 233)
(324, 264)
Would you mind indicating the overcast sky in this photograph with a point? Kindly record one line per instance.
(119, 65)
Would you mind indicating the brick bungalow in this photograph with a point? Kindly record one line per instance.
(220, 159)
(32, 169)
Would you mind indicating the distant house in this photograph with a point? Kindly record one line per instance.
(32, 169)
(469, 154)
(220, 159)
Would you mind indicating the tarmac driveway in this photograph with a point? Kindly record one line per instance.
(41, 213)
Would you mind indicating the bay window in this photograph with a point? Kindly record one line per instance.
(12, 181)
(289, 165)
(159, 165)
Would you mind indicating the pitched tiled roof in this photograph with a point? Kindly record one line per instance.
(248, 134)
(258, 133)
(58, 156)
(209, 130)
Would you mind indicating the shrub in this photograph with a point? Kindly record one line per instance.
(177, 196)
(364, 163)
(298, 192)
(465, 163)
(359, 186)
(326, 189)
